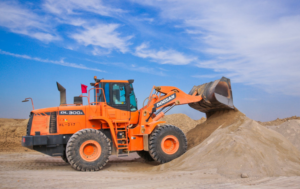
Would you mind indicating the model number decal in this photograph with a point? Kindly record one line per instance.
(66, 124)
(165, 101)
(71, 112)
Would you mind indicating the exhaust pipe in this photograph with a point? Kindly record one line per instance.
(62, 90)
(216, 95)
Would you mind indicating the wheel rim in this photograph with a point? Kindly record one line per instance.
(170, 144)
(90, 150)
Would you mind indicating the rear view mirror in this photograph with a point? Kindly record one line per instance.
(26, 100)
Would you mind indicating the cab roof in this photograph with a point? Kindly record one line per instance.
(111, 81)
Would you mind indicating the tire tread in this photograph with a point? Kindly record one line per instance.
(154, 142)
(75, 161)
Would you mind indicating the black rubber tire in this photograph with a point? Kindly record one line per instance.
(157, 136)
(145, 155)
(74, 144)
(64, 157)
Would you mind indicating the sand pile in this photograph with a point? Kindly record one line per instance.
(182, 121)
(238, 146)
(278, 121)
(220, 119)
(11, 132)
(290, 130)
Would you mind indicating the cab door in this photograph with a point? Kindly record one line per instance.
(117, 99)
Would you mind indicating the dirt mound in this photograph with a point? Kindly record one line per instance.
(182, 121)
(220, 119)
(290, 130)
(239, 146)
(11, 132)
(278, 121)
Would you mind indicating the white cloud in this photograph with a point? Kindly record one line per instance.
(163, 56)
(208, 76)
(133, 67)
(143, 69)
(254, 42)
(22, 21)
(58, 62)
(76, 7)
(100, 51)
(146, 19)
(102, 35)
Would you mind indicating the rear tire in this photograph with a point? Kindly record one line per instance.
(145, 155)
(88, 150)
(167, 143)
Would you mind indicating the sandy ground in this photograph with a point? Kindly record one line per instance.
(34, 170)
(211, 161)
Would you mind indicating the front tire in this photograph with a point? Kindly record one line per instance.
(88, 150)
(167, 143)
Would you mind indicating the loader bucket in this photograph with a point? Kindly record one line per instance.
(216, 95)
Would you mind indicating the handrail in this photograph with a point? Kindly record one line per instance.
(86, 97)
(96, 95)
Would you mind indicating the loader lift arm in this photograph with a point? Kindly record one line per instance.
(166, 97)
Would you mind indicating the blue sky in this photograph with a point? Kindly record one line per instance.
(175, 43)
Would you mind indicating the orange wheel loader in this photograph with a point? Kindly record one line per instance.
(111, 124)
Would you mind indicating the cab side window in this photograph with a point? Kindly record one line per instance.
(118, 94)
(106, 91)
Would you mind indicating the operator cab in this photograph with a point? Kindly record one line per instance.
(118, 94)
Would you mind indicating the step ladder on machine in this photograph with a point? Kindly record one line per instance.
(122, 142)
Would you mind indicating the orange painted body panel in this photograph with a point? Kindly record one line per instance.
(69, 124)
(116, 114)
(134, 117)
(41, 121)
(136, 144)
(41, 125)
